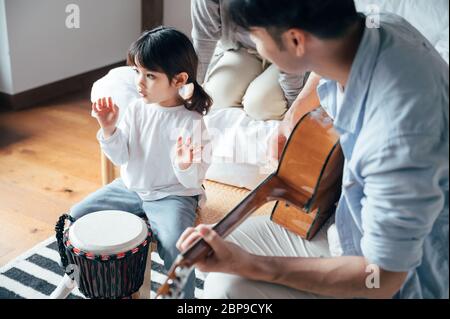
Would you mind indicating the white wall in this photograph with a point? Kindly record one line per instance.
(44, 50)
(177, 14)
(5, 63)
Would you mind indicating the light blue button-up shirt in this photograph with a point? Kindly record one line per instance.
(394, 130)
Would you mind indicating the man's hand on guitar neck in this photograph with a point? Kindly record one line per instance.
(227, 257)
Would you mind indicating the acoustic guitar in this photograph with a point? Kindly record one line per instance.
(306, 187)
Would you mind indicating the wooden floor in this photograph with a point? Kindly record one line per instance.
(49, 160)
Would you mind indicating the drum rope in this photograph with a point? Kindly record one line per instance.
(59, 228)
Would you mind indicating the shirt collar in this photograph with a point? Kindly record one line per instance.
(347, 118)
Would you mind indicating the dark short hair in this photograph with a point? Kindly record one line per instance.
(169, 51)
(325, 19)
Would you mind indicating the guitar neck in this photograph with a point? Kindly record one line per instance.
(257, 198)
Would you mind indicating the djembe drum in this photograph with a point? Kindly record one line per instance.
(104, 253)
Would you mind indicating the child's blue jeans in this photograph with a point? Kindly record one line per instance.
(168, 217)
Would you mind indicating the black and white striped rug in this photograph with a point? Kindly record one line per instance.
(36, 273)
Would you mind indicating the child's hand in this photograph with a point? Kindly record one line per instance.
(186, 154)
(107, 114)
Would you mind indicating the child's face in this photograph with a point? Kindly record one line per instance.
(155, 87)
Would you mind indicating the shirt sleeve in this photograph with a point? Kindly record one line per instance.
(291, 84)
(403, 198)
(206, 32)
(116, 147)
(194, 176)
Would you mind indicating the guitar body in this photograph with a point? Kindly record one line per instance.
(311, 164)
(306, 186)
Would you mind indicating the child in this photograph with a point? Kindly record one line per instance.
(155, 144)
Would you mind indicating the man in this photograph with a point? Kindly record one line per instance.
(387, 90)
(238, 76)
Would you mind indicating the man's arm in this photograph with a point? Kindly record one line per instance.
(306, 102)
(340, 277)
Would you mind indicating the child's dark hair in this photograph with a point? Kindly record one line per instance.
(169, 51)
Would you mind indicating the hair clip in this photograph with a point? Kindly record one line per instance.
(186, 91)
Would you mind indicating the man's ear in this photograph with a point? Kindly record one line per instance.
(295, 40)
(180, 79)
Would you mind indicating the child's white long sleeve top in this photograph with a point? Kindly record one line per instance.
(144, 146)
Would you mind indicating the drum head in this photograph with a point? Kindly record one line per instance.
(108, 232)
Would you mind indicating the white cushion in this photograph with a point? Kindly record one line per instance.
(240, 153)
(119, 84)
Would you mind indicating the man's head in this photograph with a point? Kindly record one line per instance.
(285, 30)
